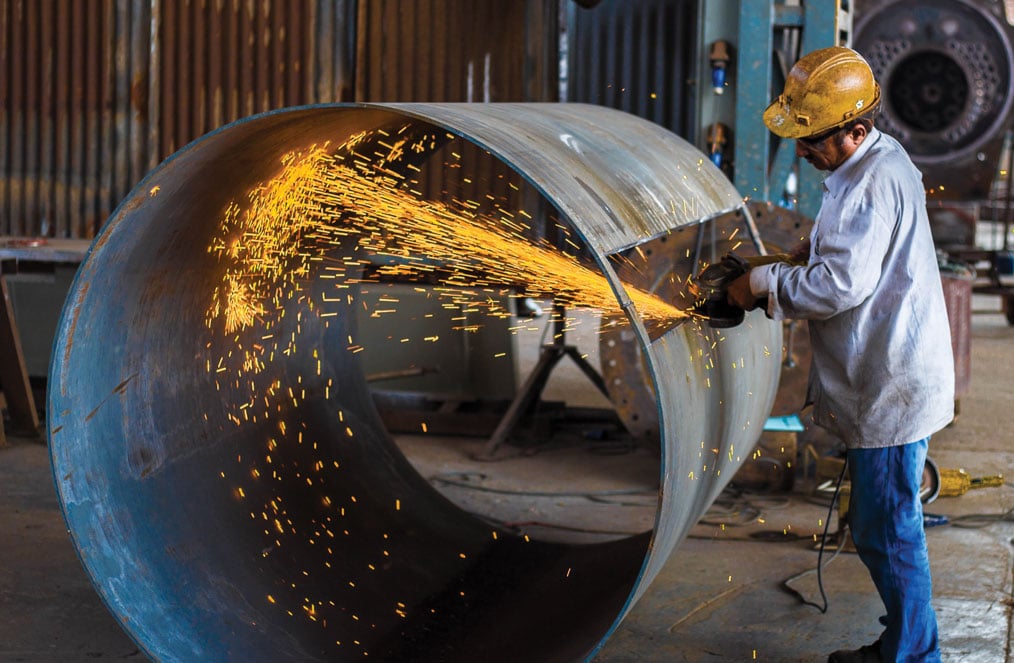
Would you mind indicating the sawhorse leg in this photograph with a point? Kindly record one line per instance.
(531, 390)
(17, 389)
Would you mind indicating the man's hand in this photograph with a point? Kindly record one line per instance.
(800, 254)
(739, 294)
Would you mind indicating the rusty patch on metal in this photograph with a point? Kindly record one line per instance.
(118, 389)
(101, 241)
(72, 328)
(139, 93)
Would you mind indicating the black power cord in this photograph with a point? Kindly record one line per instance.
(820, 554)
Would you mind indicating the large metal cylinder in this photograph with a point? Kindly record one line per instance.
(224, 473)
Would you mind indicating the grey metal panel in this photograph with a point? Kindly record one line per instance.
(37, 299)
(731, 375)
(637, 56)
(451, 367)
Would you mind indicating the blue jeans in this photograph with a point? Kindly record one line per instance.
(885, 516)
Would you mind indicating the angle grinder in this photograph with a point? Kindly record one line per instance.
(713, 282)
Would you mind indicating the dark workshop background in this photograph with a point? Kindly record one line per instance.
(95, 93)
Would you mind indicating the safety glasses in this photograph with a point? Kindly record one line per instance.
(815, 141)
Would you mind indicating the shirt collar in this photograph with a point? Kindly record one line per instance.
(837, 179)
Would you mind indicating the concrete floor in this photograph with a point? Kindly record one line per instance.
(719, 598)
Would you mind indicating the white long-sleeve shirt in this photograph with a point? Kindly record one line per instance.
(882, 372)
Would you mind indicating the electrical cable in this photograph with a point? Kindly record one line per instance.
(820, 554)
(735, 507)
(978, 520)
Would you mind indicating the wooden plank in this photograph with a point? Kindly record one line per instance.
(13, 373)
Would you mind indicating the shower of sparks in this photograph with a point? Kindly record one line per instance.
(319, 202)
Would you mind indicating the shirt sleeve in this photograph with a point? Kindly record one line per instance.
(759, 278)
(846, 261)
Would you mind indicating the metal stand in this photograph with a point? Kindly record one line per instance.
(532, 388)
(992, 283)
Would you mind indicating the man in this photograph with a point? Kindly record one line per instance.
(882, 376)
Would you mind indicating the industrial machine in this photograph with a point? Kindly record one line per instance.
(946, 68)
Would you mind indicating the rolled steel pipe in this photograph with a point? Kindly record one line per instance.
(232, 501)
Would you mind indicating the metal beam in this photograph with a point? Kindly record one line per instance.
(763, 163)
(753, 90)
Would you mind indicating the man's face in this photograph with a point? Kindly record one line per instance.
(827, 151)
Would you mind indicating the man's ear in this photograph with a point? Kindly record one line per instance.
(858, 133)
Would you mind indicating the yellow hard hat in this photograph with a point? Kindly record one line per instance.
(826, 89)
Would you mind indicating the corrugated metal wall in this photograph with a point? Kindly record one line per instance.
(447, 50)
(637, 56)
(57, 76)
(457, 50)
(218, 61)
(93, 93)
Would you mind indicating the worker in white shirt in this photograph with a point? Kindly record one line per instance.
(882, 376)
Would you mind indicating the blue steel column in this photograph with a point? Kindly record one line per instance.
(759, 19)
(753, 89)
(821, 28)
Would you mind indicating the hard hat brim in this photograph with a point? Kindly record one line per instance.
(780, 122)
